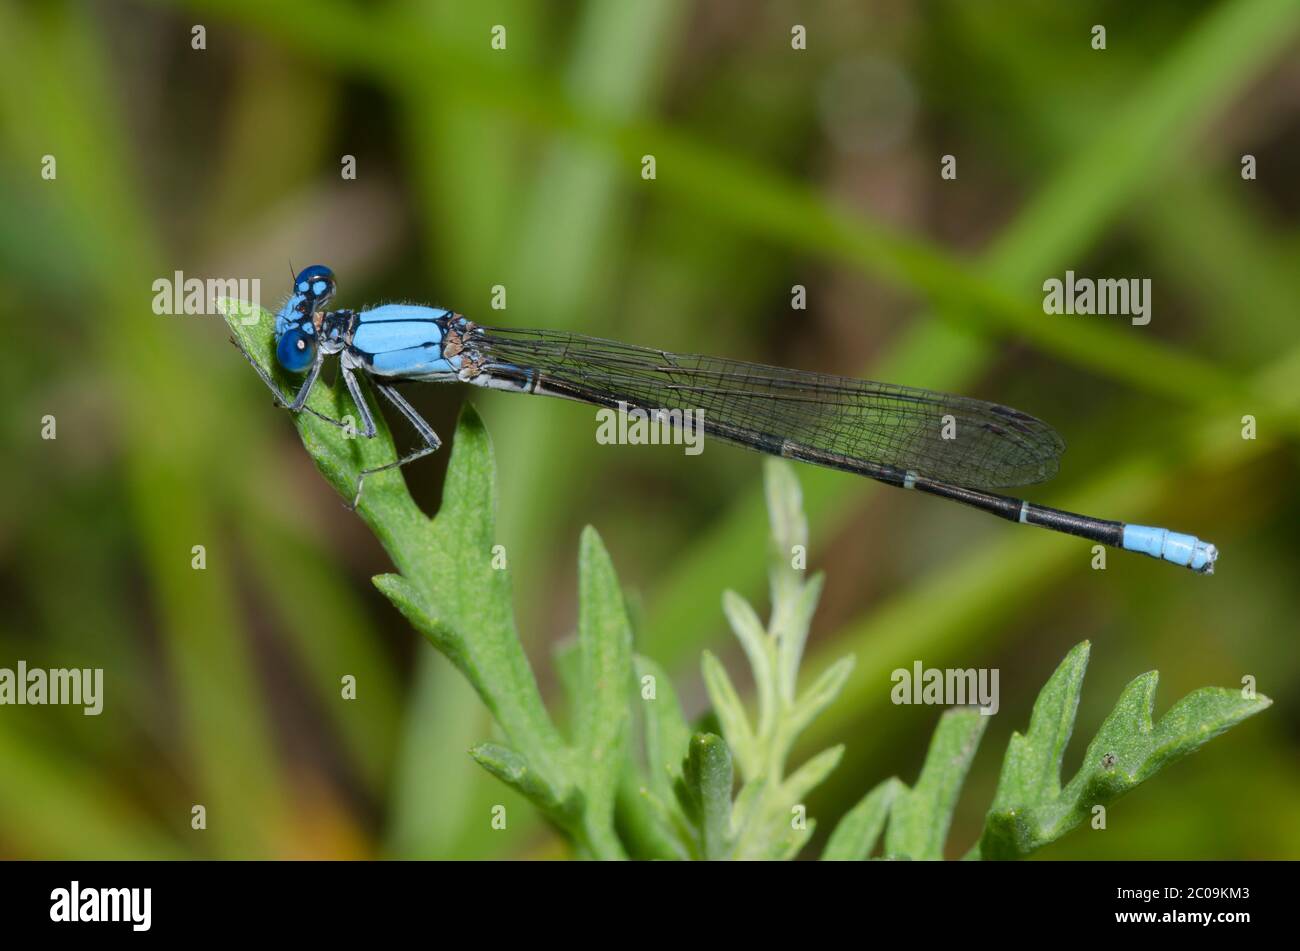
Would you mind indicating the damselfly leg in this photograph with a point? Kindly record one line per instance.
(430, 438)
(299, 402)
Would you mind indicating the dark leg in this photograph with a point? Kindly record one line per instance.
(299, 402)
(422, 429)
(358, 398)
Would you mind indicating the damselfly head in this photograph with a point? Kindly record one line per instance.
(312, 289)
(316, 283)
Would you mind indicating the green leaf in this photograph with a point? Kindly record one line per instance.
(407, 599)
(790, 623)
(1031, 770)
(512, 768)
(647, 827)
(918, 823)
(789, 526)
(791, 607)
(1030, 809)
(856, 834)
(795, 840)
(464, 601)
(567, 662)
(746, 813)
(648, 815)
(731, 714)
(758, 651)
(819, 696)
(667, 736)
(704, 792)
(601, 703)
(769, 817)
(812, 773)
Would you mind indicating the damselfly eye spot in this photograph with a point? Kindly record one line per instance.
(296, 350)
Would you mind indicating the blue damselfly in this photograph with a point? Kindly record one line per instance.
(950, 446)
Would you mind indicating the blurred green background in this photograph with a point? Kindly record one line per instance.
(521, 167)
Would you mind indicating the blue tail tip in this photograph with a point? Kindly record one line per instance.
(1186, 550)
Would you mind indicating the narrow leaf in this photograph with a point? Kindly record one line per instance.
(918, 823)
(819, 696)
(1195, 720)
(408, 600)
(731, 714)
(753, 638)
(512, 768)
(795, 840)
(789, 525)
(667, 736)
(645, 826)
(791, 621)
(812, 773)
(1031, 771)
(643, 823)
(856, 834)
(605, 661)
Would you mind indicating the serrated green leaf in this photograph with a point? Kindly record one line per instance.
(449, 561)
(769, 818)
(919, 820)
(1128, 749)
(856, 834)
(704, 792)
(1033, 810)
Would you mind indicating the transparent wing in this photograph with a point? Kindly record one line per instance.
(835, 420)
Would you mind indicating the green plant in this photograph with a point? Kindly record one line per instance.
(671, 794)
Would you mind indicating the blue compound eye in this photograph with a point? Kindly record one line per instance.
(296, 350)
(316, 281)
